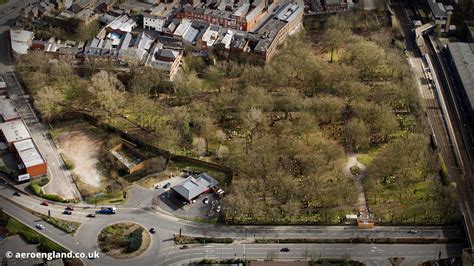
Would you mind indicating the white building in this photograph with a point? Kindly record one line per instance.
(165, 59)
(151, 22)
(20, 41)
(186, 31)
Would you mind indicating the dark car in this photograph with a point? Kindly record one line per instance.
(67, 212)
(285, 250)
(167, 185)
(413, 231)
(206, 200)
(91, 215)
(152, 230)
(44, 203)
(16, 193)
(184, 247)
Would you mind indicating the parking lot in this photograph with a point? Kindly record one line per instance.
(171, 202)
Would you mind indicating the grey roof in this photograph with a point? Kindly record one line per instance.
(7, 109)
(463, 57)
(14, 130)
(192, 186)
(437, 9)
(28, 153)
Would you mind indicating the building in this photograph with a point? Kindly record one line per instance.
(14, 131)
(152, 22)
(192, 187)
(441, 14)
(461, 62)
(165, 59)
(20, 41)
(186, 31)
(8, 110)
(32, 163)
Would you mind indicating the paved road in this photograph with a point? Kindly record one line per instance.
(61, 182)
(163, 249)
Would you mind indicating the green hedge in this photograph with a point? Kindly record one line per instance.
(36, 188)
(135, 240)
(202, 240)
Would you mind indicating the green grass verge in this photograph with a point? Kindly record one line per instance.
(3, 2)
(36, 189)
(106, 198)
(66, 226)
(444, 168)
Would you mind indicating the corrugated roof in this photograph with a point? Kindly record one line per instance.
(463, 58)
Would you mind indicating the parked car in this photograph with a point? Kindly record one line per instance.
(218, 209)
(167, 185)
(91, 215)
(152, 230)
(67, 212)
(285, 250)
(206, 200)
(157, 186)
(193, 201)
(413, 231)
(39, 226)
(16, 193)
(69, 207)
(184, 247)
(45, 203)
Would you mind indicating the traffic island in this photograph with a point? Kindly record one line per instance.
(124, 240)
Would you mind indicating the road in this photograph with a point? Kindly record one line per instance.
(60, 179)
(163, 249)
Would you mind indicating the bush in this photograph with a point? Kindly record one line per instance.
(43, 181)
(36, 189)
(355, 170)
(135, 240)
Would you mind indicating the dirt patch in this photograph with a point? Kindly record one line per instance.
(115, 240)
(81, 144)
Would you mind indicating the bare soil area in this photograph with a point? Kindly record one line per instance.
(81, 144)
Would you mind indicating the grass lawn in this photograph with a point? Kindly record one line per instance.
(106, 198)
(367, 158)
(3, 2)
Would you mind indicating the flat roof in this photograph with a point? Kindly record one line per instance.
(14, 131)
(463, 58)
(28, 153)
(7, 109)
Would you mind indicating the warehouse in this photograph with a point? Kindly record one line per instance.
(32, 163)
(14, 131)
(8, 111)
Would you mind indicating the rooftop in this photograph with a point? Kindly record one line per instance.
(14, 131)
(463, 57)
(29, 154)
(7, 109)
(192, 186)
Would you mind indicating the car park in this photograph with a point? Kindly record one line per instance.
(39, 226)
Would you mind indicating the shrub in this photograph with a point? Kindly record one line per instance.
(36, 188)
(135, 240)
(43, 181)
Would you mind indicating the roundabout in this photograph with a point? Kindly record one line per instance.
(124, 240)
